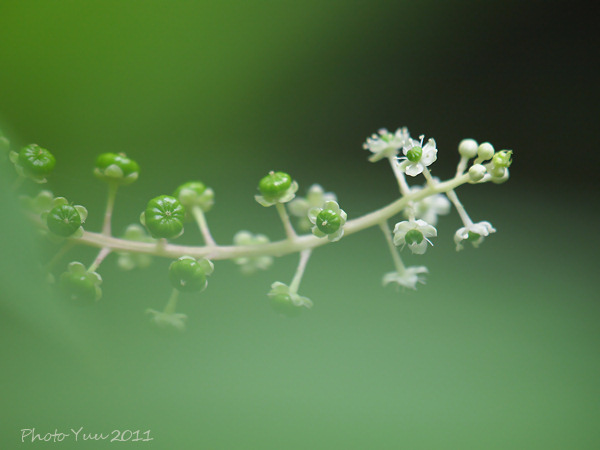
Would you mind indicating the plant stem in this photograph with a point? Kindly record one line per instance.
(400, 268)
(287, 225)
(295, 284)
(278, 248)
(462, 165)
(110, 204)
(459, 208)
(171, 305)
(428, 177)
(102, 254)
(201, 221)
(402, 185)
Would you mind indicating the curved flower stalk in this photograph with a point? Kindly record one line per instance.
(164, 218)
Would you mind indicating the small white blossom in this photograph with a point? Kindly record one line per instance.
(408, 278)
(386, 144)
(328, 221)
(473, 233)
(251, 264)
(415, 234)
(315, 198)
(416, 156)
(167, 320)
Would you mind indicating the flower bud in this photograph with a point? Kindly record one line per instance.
(63, 220)
(485, 151)
(195, 193)
(476, 172)
(189, 275)
(164, 217)
(35, 161)
(116, 167)
(502, 158)
(274, 184)
(468, 148)
(79, 284)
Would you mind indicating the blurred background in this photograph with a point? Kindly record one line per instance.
(498, 350)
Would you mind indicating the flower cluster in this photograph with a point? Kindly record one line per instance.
(318, 215)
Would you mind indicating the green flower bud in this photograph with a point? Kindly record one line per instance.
(113, 167)
(195, 193)
(35, 161)
(502, 159)
(63, 220)
(164, 217)
(468, 148)
(79, 284)
(274, 184)
(328, 221)
(414, 154)
(497, 171)
(189, 275)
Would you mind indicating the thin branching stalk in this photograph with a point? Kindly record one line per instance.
(278, 248)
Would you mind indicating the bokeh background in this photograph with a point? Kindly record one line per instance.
(498, 350)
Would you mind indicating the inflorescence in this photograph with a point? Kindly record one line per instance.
(318, 217)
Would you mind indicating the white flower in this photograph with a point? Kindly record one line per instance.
(386, 144)
(328, 221)
(417, 157)
(167, 320)
(315, 198)
(473, 233)
(415, 234)
(251, 264)
(409, 278)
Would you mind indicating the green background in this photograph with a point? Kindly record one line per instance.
(498, 350)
